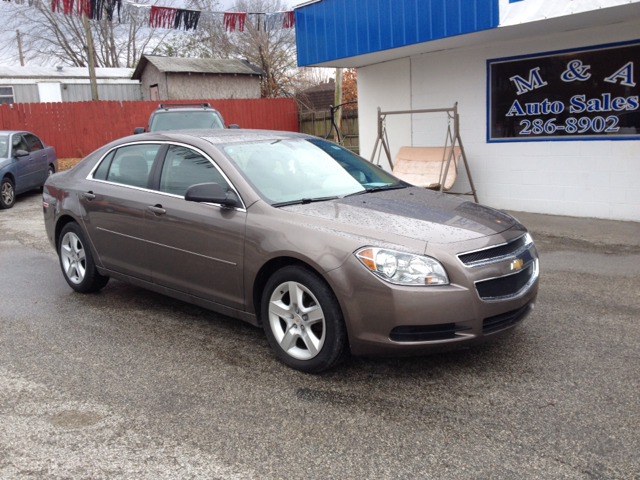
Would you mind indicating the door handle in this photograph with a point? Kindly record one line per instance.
(89, 195)
(157, 209)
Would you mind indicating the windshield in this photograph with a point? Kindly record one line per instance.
(185, 121)
(299, 170)
(4, 146)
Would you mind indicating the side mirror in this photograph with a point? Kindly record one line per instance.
(233, 125)
(212, 193)
(21, 153)
(138, 130)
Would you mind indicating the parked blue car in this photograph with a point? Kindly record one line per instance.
(25, 163)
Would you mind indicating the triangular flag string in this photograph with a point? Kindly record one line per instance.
(165, 17)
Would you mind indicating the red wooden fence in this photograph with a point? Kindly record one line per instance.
(76, 129)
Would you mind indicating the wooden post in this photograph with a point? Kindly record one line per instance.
(92, 65)
(20, 48)
(337, 116)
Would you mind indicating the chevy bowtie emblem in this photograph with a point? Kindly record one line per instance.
(517, 264)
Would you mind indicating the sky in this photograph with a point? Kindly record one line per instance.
(9, 55)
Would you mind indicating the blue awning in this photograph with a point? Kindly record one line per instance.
(328, 30)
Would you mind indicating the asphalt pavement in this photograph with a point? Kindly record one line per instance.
(129, 384)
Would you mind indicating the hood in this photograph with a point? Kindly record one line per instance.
(412, 212)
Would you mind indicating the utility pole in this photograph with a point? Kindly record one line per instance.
(20, 48)
(92, 65)
(337, 116)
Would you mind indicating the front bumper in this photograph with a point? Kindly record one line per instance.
(387, 319)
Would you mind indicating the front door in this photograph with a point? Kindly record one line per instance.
(155, 95)
(115, 199)
(195, 248)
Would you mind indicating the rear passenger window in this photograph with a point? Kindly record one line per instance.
(131, 165)
(33, 142)
(103, 169)
(184, 167)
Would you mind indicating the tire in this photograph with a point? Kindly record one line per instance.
(76, 261)
(7, 193)
(308, 334)
(50, 171)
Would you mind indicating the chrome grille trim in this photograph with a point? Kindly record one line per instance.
(499, 258)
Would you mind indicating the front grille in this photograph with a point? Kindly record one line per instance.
(425, 333)
(493, 253)
(505, 286)
(504, 320)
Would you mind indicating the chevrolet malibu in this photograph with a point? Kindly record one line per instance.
(327, 252)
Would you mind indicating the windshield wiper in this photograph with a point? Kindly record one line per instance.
(376, 189)
(303, 201)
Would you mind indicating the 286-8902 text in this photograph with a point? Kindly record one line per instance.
(571, 125)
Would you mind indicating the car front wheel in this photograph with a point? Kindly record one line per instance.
(303, 320)
(76, 261)
(7, 193)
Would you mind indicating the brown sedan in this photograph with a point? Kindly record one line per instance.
(326, 251)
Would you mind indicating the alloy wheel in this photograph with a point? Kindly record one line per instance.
(8, 195)
(73, 256)
(297, 320)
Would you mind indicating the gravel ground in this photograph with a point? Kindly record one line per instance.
(129, 384)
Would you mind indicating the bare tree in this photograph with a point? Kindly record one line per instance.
(208, 41)
(311, 76)
(54, 38)
(271, 49)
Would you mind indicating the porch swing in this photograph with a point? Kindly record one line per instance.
(434, 168)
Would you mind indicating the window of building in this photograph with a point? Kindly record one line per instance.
(6, 95)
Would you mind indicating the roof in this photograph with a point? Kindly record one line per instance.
(63, 72)
(318, 97)
(196, 65)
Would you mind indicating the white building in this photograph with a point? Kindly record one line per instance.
(547, 91)
(65, 84)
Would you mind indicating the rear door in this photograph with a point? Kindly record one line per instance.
(195, 248)
(25, 167)
(114, 199)
(38, 156)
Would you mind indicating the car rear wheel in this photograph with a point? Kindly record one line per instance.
(303, 320)
(7, 193)
(76, 261)
(50, 171)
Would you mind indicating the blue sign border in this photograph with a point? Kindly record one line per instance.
(548, 139)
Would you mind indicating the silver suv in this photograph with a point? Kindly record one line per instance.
(184, 116)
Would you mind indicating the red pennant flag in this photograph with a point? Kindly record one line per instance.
(289, 20)
(162, 17)
(233, 21)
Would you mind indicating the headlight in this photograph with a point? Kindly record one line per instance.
(402, 268)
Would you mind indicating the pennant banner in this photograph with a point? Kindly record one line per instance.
(233, 21)
(165, 17)
(162, 17)
(289, 20)
(186, 19)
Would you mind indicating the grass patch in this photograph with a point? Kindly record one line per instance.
(67, 163)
